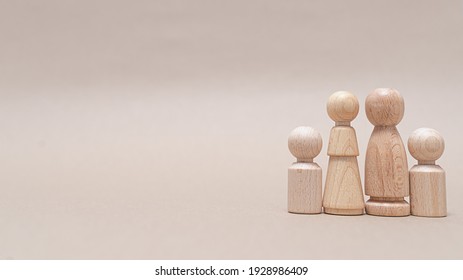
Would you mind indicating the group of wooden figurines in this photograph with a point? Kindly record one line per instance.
(387, 178)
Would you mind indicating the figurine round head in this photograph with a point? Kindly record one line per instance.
(305, 143)
(342, 106)
(426, 145)
(384, 107)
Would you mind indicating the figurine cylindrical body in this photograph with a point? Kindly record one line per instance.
(386, 168)
(427, 191)
(305, 188)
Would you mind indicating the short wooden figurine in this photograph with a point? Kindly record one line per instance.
(427, 180)
(305, 176)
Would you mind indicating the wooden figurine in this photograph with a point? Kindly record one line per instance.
(305, 176)
(427, 180)
(343, 188)
(386, 168)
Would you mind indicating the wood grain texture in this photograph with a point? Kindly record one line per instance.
(342, 107)
(343, 188)
(305, 143)
(426, 145)
(384, 107)
(428, 191)
(305, 177)
(343, 142)
(386, 167)
(305, 188)
(390, 207)
(427, 180)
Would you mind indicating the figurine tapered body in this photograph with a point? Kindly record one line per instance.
(386, 168)
(427, 180)
(343, 188)
(305, 176)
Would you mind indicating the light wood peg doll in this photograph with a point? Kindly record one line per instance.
(343, 187)
(305, 176)
(427, 180)
(386, 167)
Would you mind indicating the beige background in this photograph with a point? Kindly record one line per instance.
(158, 129)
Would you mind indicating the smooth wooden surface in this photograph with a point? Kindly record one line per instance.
(343, 193)
(426, 145)
(305, 177)
(342, 106)
(390, 207)
(428, 196)
(305, 143)
(384, 107)
(343, 142)
(305, 188)
(157, 129)
(386, 167)
(343, 188)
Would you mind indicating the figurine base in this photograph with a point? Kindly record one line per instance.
(344, 212)
(389, 207)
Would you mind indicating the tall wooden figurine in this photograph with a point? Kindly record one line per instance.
(427, 180)
(386, 168)
(343, 188)
(305, 176)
